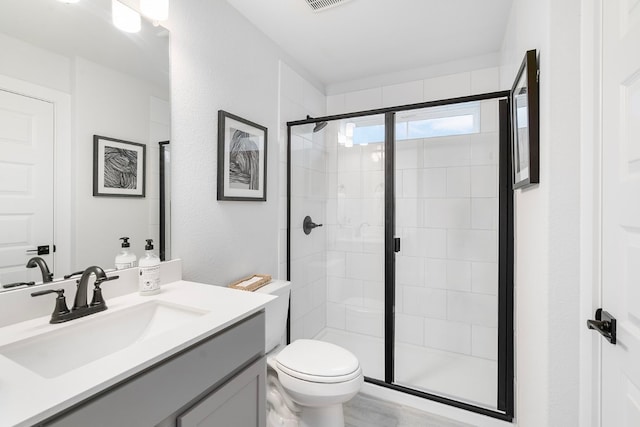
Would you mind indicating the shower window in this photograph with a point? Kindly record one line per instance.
(433, 122)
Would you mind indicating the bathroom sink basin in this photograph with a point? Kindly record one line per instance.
(74, 345)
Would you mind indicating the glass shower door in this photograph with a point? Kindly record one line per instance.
(337, 274)
(446, 273)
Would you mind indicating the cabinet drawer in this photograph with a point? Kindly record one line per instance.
(238, 403)
(152, 396)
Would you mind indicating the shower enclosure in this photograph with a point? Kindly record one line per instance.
(400, 246)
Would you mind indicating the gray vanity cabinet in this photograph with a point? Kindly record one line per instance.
(217, 382)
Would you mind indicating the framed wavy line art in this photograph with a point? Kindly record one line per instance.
(118, 167)
(242, 159)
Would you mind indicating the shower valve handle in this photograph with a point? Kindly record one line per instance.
(308, 225)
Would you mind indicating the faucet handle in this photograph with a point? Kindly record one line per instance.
(61, 303)
(97, 291)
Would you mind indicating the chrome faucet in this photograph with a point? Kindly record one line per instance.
(36, 261)
(80, 307)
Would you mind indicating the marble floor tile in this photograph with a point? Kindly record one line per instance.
(367, 411)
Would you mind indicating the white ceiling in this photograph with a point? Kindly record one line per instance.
(362, 38)
(85, 29)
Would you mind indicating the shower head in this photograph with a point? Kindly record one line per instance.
(319, 126)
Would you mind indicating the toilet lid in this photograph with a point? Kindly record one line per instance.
(318, 361)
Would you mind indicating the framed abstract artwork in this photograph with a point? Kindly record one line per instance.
(118, 167)
(525, 119)
(242, 159)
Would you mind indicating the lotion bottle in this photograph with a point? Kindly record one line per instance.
(149, 264)
(126, 258)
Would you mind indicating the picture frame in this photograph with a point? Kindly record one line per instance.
(525, 123)
(119, 167)
(242, 159)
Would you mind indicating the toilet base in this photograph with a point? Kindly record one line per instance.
(325, 416)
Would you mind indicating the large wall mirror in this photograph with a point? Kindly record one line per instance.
(66, 75)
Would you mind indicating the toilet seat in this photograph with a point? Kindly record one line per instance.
(318, 362)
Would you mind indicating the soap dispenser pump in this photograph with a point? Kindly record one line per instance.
(126, 258)
(149, 283)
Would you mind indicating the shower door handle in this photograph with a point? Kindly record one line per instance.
(396, 244)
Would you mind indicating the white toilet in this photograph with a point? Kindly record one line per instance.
(307, 380)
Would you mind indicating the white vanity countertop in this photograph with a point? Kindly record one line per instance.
(27, 398)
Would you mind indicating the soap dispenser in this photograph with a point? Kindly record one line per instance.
(126, 258)
(149, 264)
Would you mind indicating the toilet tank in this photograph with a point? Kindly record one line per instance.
(276, 312)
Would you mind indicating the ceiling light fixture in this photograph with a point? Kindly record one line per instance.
(156, 10)
(125, 18)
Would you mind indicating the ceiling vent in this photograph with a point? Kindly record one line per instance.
(320, 5)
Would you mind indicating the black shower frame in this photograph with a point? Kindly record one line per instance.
(505, 398)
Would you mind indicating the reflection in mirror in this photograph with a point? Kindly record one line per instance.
(66, 75)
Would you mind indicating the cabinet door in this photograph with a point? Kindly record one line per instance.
(238, 403)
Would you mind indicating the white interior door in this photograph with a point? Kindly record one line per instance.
(26, 184)
(621, 211)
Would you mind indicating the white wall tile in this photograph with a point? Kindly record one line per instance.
(435, 241)
(336, 104)
(398, 185)
(450, 86)
(409, 212)
(409, 154)
(459, 182)
(484, 213)
(319, 292)
(344, 291)
(433, 182)
(300, 301)
(335, 315)
(485, 80)
(315, 321)
(409, 329)
(484, 342)
(349, 159)
(472, 245)
(336, 264)
(402, 94)
(448, 151)
(372, 184)
(410, 182)
(409, 270)
(448, 336)
(364, 321)
(426, 302)
(365, 266)
(435, 273)
(484, 277)
(459, 275)
(476, 309)
(447, 213)
(313, 100)
(373, 293)
(372, 157)
(489, 116)
(413, 241)
(484, 181)
(363, 100)
(485, 149)
(349, 184)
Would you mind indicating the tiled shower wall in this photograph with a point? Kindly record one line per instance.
(446, 273)
(299, 98)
